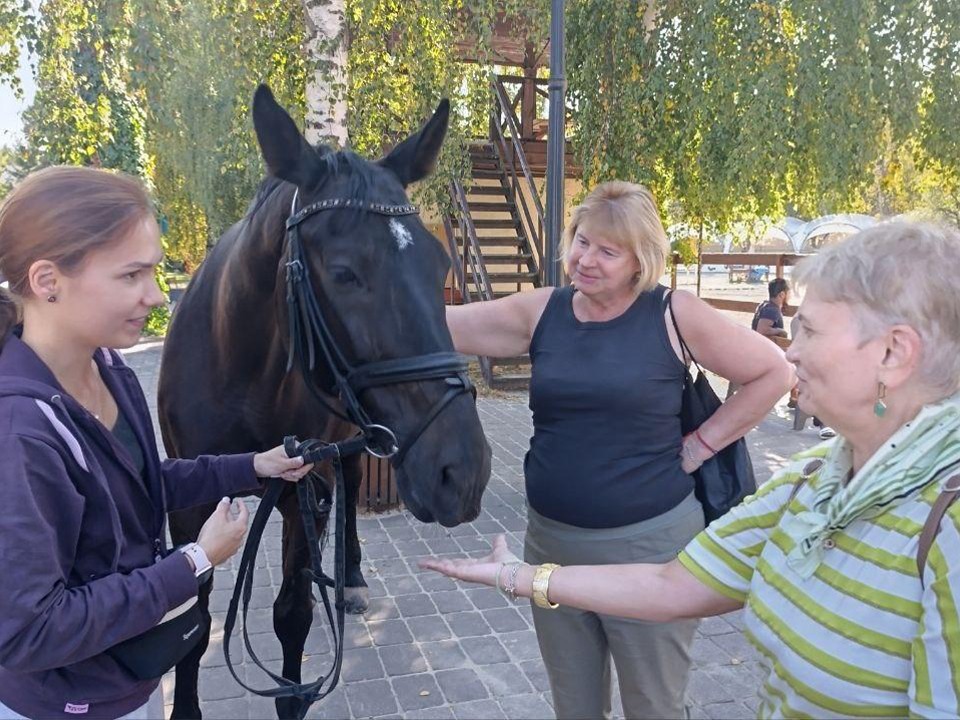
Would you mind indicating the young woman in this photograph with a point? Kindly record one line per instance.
(83, 491)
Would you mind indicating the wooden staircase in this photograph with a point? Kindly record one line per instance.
(494, 255)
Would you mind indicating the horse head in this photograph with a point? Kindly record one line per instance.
(377, 276)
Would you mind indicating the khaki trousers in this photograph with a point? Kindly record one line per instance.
(652, 659)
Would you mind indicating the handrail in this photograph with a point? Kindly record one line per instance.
(535, 234)
(459, 272)
(477, 268)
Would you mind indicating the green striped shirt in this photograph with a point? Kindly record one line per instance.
(861, 637)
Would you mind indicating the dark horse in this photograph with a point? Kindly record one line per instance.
(224, 383)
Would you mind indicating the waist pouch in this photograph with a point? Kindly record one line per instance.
(152, 653)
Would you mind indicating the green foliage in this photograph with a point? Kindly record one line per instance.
(198, 63)
(747, 108)
(17, 28)
(85, 111)
(403, 59)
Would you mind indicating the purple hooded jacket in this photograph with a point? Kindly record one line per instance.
(82, 538)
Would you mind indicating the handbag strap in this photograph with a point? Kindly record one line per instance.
(931, 527)
(684, 348)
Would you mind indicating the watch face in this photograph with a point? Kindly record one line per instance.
(206, 576)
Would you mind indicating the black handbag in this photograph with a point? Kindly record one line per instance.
(152, 653)
(727, 477)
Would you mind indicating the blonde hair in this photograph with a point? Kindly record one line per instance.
(61, 214)
(898, 273)
(627, 214)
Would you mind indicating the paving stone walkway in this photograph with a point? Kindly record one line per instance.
(432, 648)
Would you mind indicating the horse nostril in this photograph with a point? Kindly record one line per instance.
(446, 477)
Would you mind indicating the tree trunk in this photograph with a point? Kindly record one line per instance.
(326, 91)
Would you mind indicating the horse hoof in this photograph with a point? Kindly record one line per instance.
(356, 600)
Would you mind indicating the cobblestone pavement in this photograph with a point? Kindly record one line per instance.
(431, 648)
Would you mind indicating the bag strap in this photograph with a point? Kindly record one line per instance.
(951, 489)
(808, 471)
(684, 348)
(931, 527)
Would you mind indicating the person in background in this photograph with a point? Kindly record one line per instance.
(768, 317)
(848, 617)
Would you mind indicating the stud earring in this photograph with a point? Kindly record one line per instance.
(51, 298)
(880, 407)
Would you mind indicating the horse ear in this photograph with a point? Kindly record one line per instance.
(286, 152)
(416, 157)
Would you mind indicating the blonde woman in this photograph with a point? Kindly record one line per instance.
(608, 471)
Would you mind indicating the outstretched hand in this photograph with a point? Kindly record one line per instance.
(476, 570)
(275, 463)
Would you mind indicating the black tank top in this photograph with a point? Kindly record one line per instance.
(606, 399)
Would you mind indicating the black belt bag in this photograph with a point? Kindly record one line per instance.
(152, 653)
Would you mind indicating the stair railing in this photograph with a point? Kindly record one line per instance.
(473, 269)
(509, 146)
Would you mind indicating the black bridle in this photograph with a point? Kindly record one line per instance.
(309, 332)
(310, 336)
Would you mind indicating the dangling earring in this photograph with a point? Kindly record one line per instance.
(52, 298)
(880, 407)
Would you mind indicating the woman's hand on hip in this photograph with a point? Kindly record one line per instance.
(693, 454)
(222, 533)
(479, 570)
(275, 463)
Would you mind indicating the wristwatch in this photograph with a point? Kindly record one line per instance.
(202, 568)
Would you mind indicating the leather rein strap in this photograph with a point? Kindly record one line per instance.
(312, 451)
(310, 337)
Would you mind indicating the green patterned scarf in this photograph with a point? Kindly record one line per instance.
(908, 460)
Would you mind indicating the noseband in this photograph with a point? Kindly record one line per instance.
(309, 335)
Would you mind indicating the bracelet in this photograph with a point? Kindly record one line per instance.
(496, 583)
(698, 436)
(541, 586)
(511, 587)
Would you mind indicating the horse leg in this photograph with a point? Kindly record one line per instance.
(356, 596)
(293, 608)
(184, 528)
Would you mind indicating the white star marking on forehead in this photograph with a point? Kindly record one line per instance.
(400, 234)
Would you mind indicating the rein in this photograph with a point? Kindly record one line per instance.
(310, 337)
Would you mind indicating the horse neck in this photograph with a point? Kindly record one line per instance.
(249, 297)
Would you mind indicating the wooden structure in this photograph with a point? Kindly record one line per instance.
(378, 487)
(496, 233)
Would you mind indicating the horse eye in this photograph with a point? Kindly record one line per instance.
(344, 275)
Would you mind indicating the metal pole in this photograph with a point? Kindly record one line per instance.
(555, 147)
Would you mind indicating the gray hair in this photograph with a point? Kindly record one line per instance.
(898, 273)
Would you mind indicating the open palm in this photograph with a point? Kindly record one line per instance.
(476, 570)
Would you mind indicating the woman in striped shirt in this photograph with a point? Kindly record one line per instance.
(852, 612)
